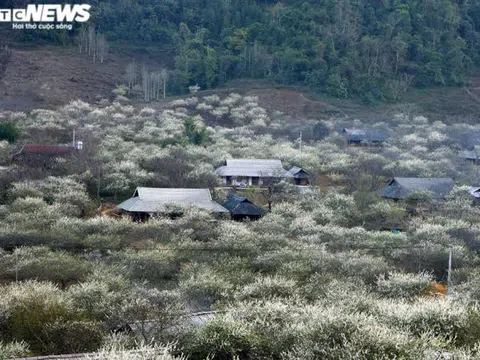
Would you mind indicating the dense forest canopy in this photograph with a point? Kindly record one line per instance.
(372, 49)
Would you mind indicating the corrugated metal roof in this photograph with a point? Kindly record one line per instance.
(253, 168)
(366, 134)
(239, 205)
(155, 200)
(470, 154)
(474, 191)
(294, 170)
(298, 173)
(400, 188)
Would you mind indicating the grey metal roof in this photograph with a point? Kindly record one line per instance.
(474, 191)
(472, 153)
(253, 168)
(155, 200)
(298, 172)
(239, 205)
(400, 188)
(376, 135)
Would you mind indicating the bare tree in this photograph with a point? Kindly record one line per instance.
(153, 83)
(400, 86)
(164, 77)
(101, 47)
(145, 82)
(91, 40)
(131, 76)
(82, 40)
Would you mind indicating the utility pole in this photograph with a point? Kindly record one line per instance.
(301, 150)
(73, 137)
(449, 274)
(16, 264)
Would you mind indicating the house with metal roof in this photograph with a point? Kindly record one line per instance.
(300, 176)
(400, 188)
(248, 172)
(365, 136)
(148, 201)
(472, 154)
(475, 192)
(243, 209)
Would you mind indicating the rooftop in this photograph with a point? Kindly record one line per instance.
(400, 188)
(155, 200)
(365, 134)
(253, 168)
(298, 172)
(239, 205)
(472, 153)
(474, 191)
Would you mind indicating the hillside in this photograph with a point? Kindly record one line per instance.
(52, 76)
(321, 266)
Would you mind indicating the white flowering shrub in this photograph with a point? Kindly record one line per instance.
(403, 285)
(231, 100)
(203, 287)
(320, 276)
(42, 316)
(289, 330)
(268, 287)
(143, 352)
(212, 99)
(15, 349)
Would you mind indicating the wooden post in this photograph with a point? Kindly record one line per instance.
(449, 273)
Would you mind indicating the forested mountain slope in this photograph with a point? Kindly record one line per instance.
(374, 49)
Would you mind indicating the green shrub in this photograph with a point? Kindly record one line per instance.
(9, 131)
(268, 287)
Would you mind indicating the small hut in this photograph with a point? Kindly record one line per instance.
(471, 155)
(375, 137)
(400, 188)
(475, 192)
(243, 209)
(300, 176)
